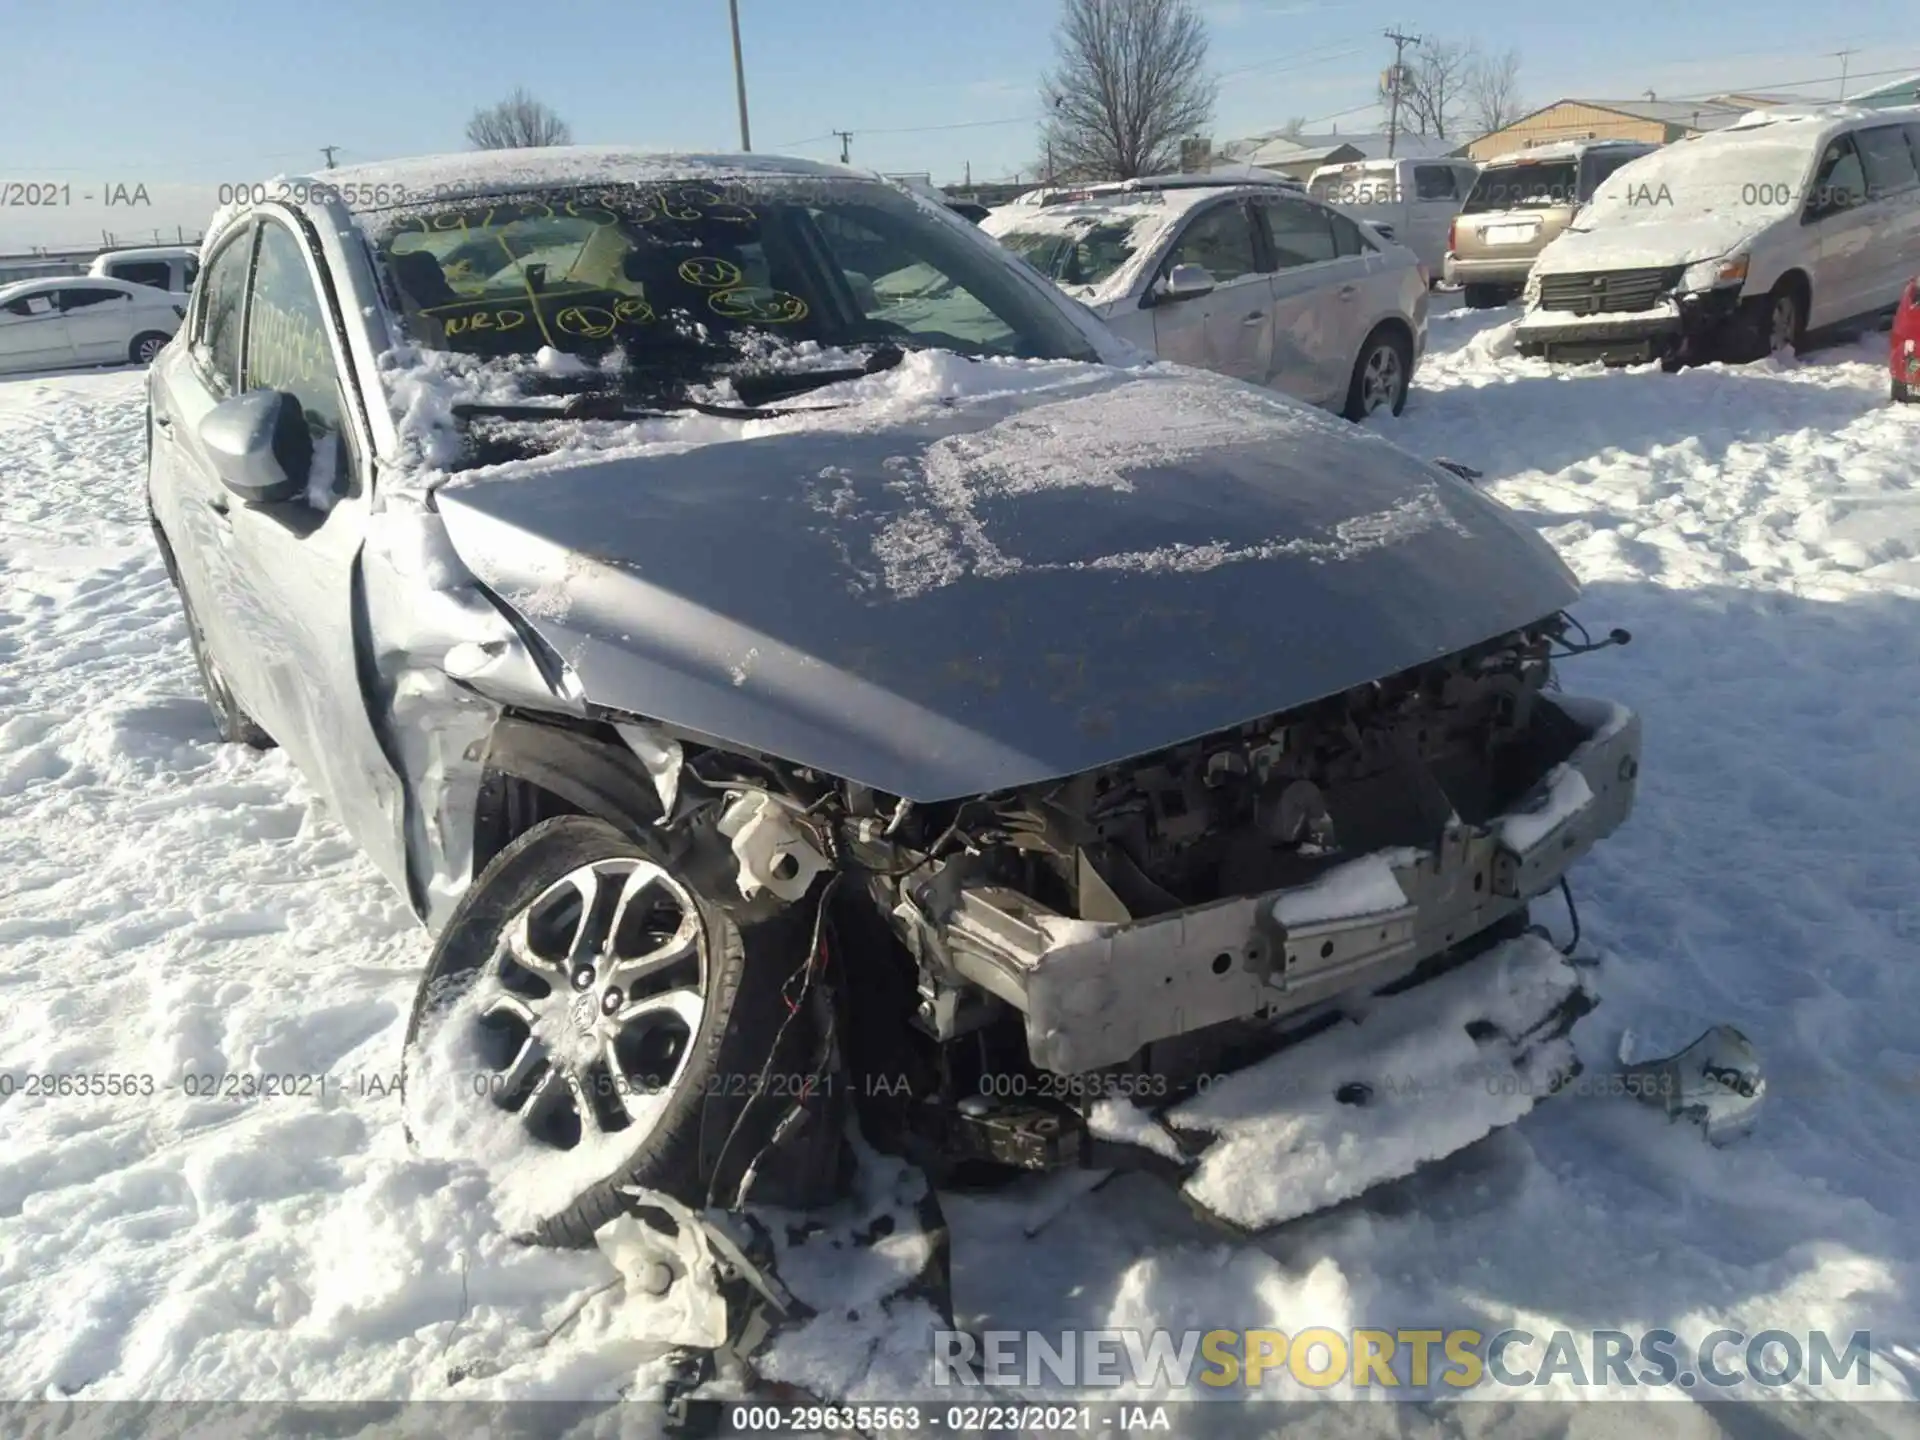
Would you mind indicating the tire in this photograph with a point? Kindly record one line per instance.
(1381, 375)
(1901, 392)
(691, 1080)
(146, 347)
(230, 718)
(1483, 297)
(1773, 323)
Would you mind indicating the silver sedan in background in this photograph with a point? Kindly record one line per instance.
(1255, 281)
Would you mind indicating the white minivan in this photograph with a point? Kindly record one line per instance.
(1411, 202)
(165, 267)
(1734, 244)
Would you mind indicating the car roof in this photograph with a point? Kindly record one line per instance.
(1808, 125)
(68, 282)
(1383, 162)
(435, 178)
(149, 252)
(1567, 150)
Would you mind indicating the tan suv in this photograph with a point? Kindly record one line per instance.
(1519, 204)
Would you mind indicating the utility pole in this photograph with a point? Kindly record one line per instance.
(1400, 43)
(327, 150)
(1843, 56)
(968, 182)
(739, 75)
(846, 146)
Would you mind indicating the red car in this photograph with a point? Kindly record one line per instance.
(1904, 356)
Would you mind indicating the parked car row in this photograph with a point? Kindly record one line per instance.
(1736, 243)
(1520, 204)
(127, 306)
(53, 324)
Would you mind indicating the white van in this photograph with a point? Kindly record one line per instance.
(1411, 202)
(1734, 244)
(164, 267)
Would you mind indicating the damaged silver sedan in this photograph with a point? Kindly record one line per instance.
(803, 669)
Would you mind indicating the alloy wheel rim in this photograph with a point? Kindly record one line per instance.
(148, 350)
(591, 1001)
(1382, 378)
(1781, 335)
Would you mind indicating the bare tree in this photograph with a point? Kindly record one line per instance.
(1295, 127)
(1432, 87)
(518, 122)
(1493, 91)
(1129, 83)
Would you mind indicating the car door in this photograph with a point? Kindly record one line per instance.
(290, 584)
(1318, 295)
(33, 333)
(1891, 215)
(1229, 329)
(1837, 238)
(99, 322)
(184, 489)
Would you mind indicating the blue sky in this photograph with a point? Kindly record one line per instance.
(184, 95)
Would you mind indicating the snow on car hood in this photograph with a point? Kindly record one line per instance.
(1653, 243)
(1696, 199)
(1000, 588)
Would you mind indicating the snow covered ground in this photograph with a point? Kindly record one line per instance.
(170, 907)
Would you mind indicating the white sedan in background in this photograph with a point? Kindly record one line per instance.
(83, 320)
(1255, 281)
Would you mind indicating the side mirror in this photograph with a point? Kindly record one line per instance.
(1186, 282)
(260, 446)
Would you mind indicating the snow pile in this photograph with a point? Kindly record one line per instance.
(1366, 886)
(1329, 1118)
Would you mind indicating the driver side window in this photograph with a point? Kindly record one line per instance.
(216, 341)
(1840, 184)
(1220, 239)
(288, 351)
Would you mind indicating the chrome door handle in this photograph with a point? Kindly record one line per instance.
(1255, 318)
(1347, 292)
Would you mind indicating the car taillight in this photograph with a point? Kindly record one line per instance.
(1452, 227)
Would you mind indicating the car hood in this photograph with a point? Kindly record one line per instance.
(1006, 589)
(1654, 243)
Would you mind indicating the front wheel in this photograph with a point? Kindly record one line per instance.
(1902, 393)
(1773, 324)
(1380, 376)
(590, 1020)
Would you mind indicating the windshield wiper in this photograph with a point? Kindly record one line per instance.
(755, 386)
(612, 407)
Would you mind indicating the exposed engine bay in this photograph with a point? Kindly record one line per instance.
(1127, 921)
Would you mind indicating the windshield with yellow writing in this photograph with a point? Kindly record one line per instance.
(685, 280)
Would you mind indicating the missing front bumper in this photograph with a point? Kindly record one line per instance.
(1093, 994)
